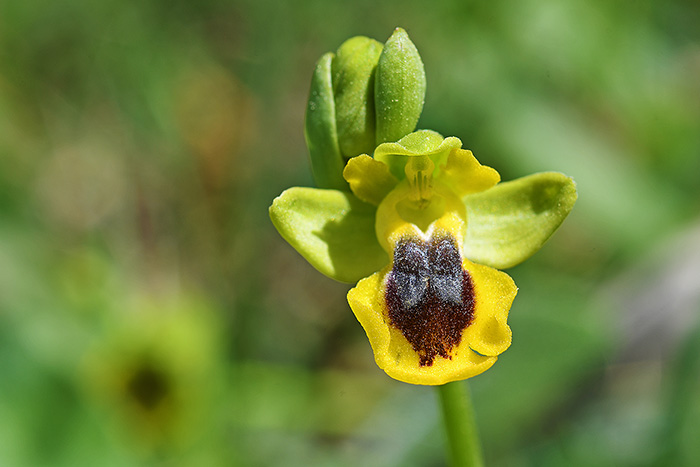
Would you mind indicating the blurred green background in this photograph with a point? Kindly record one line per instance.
(151, 315)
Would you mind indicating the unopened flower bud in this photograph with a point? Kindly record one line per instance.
(320, 129)
(353, 88)
(364, 95)
(399, 88)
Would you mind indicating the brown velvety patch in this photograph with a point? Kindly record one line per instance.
(429, 296)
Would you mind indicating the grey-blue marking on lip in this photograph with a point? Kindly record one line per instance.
(429, 296)
(411, 272)
(445, 271)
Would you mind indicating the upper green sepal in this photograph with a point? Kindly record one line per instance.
(399, 88)
(332, 230)
(508, 223)
(421, 143)
(320, 129)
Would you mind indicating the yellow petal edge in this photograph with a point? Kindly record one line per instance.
(466, 175)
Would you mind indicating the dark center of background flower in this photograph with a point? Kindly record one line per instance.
(429, 296)
(148, 386)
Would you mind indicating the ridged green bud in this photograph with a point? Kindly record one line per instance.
(353, 88)
(399, 88)
(365, 94)
(320, 129)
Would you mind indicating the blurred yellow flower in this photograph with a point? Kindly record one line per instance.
(155, 371)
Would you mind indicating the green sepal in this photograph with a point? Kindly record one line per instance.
(419, 143)
(320, 129)
(508, 223)
(353, 87)
(399, 88)
(332, 230)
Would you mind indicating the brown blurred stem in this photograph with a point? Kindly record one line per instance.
(458, 418)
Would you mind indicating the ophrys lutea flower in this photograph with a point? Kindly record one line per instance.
(424, 228)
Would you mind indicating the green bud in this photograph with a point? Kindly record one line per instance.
(399, 88)
(353, 88)
(320, 129)
(364, 95)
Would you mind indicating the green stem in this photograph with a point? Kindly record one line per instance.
(458, 417)
(679, 413)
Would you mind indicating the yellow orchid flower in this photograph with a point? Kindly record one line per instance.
(420, 223)
(433, 313)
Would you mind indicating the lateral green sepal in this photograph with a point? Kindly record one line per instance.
(332, 230)
(508, 223)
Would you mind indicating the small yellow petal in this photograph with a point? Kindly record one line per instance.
(369, 179)
(466, 175)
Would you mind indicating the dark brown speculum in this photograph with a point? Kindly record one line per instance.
(429, 296)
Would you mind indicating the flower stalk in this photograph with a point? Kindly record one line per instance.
(460, 425)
